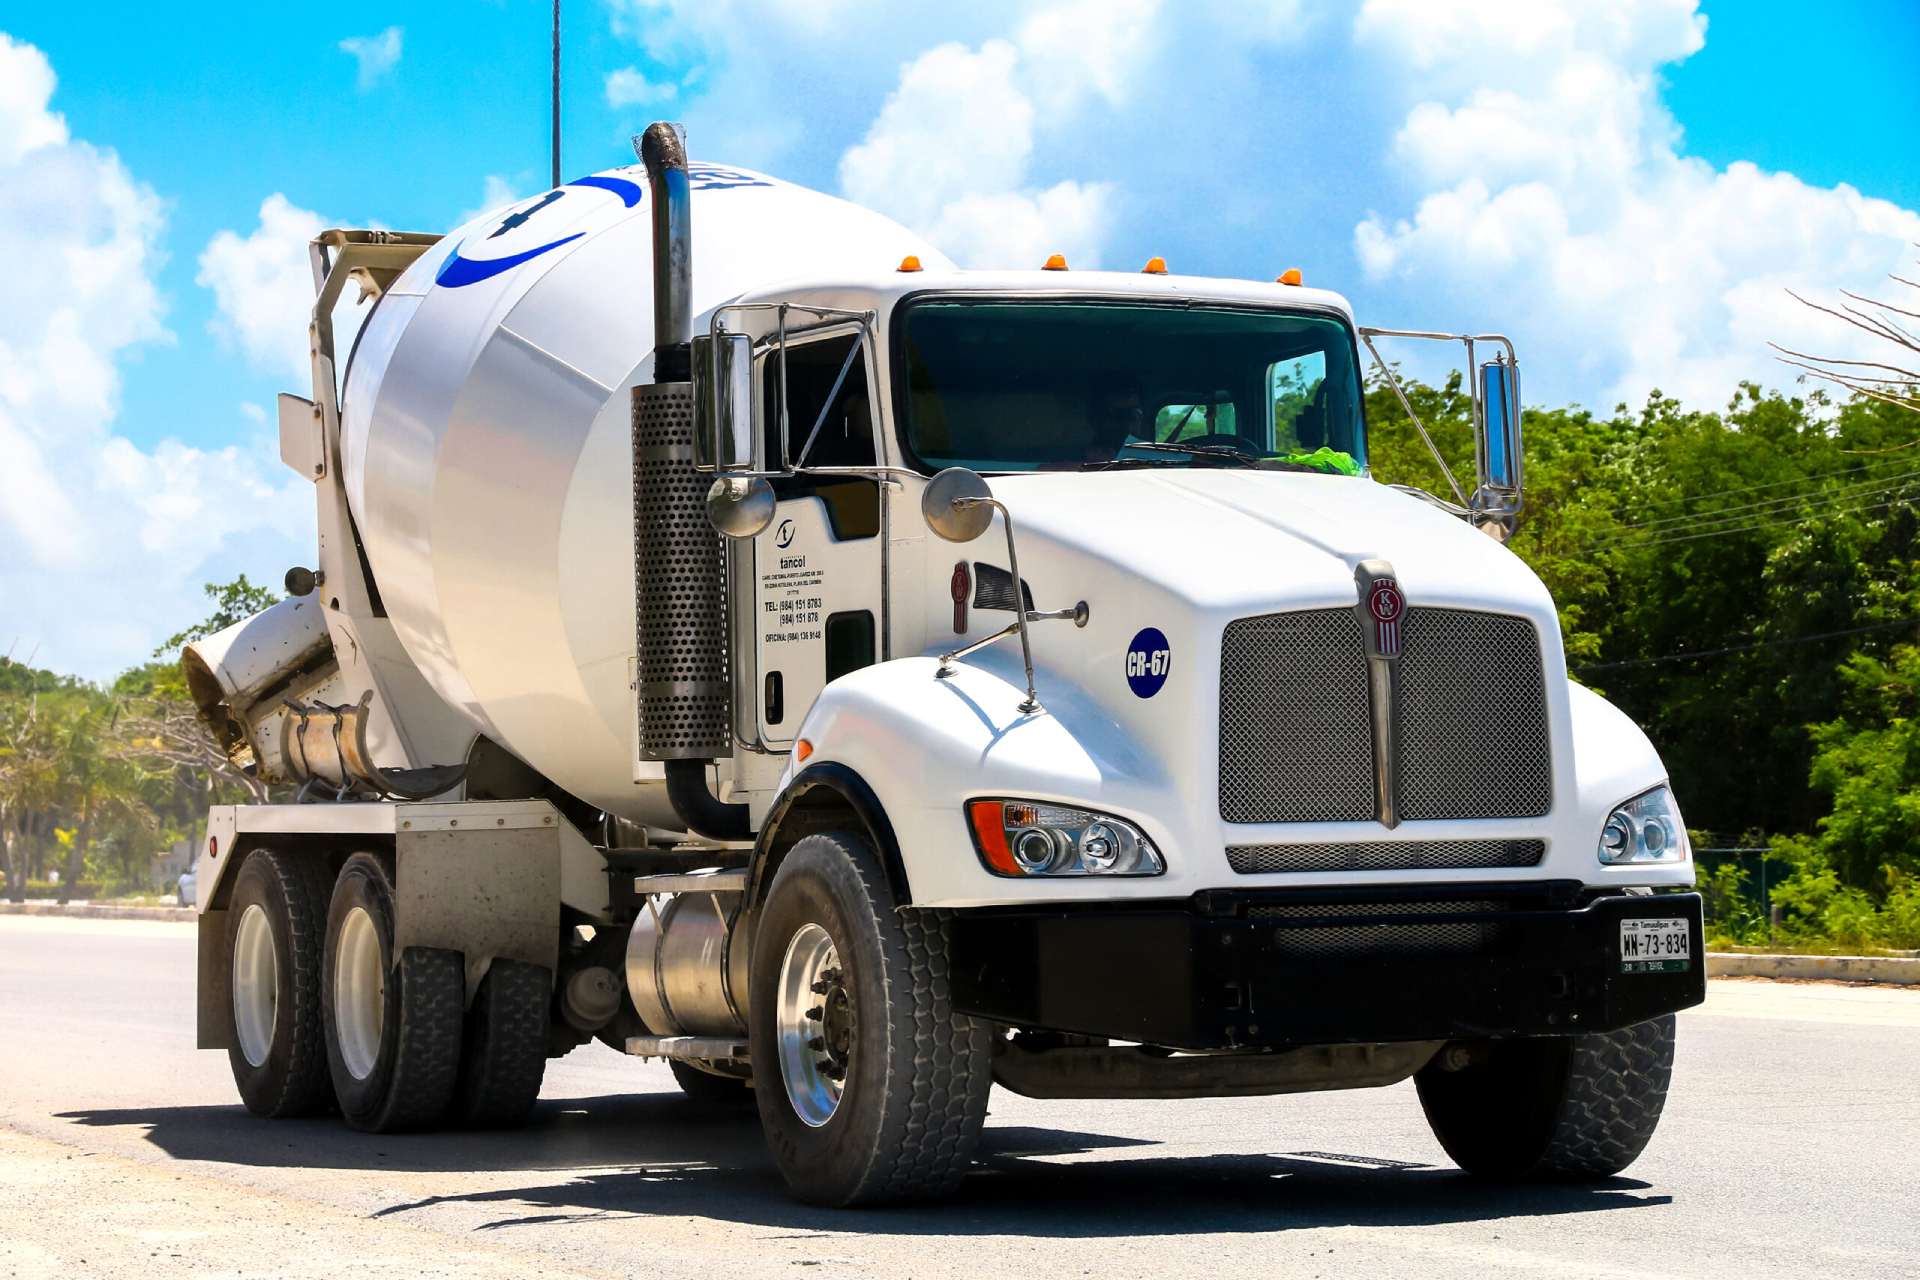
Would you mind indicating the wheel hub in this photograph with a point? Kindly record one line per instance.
(817, 1024)
(256, 984)
(359, 993)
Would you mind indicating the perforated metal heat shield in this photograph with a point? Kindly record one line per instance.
(679, 585)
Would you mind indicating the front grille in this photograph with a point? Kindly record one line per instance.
(1296, 744)
(1296, 736)
(1375, 931)
(1473, 717)
(1400, 855)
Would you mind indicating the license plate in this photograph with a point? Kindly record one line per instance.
(1656, 946)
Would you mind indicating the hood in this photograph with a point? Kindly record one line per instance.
(1238, 542)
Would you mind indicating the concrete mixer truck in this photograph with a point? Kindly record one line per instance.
(742, 638)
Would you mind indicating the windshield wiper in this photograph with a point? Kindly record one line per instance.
(1195, 451)
(1224, 452)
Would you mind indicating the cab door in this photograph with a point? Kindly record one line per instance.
(817, 565)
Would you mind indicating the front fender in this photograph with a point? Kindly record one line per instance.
(925, 746)
(1613, 762)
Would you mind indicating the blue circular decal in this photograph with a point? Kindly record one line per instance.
(1149, 659)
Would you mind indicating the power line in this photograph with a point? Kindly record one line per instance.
(1740, 648)
(1871, 484)
(1756, 488)
(1759, 525)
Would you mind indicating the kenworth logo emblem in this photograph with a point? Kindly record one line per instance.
(1385, 606)
(1382, 609)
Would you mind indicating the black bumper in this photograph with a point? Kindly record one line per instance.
(1288, 967)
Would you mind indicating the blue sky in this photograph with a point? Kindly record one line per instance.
(1625, 185)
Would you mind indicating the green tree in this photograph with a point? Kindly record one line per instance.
(233, 602)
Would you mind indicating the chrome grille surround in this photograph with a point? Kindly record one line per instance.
(1296, 738)
(1382, 855)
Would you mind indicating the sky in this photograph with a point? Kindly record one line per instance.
(1627, 187)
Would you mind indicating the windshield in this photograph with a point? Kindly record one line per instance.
(1040, 385)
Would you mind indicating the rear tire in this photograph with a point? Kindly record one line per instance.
(393, 1028)
(1568, 1108)
(505, 1053)
(275, 921)
(886, 1101)
(710, 1089)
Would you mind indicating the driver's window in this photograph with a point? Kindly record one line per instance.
(1297, 390)
(845, 437)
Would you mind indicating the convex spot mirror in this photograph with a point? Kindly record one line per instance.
(724, 437)
(739, 507)
(956, 504)
(1500, 449)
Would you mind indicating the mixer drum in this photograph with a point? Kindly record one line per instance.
(486, 444)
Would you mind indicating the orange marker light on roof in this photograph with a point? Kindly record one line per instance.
(1155, 267)
(1058, 262)
(1291, 276)
(909, 263)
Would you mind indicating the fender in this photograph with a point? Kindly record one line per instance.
(793, 817)
(924, 746)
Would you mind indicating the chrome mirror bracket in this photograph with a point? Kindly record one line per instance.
(988, 504)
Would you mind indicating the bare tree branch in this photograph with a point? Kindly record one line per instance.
(1865, 364)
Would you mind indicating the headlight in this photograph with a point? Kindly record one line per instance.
(1031, 838)
(1646, 828)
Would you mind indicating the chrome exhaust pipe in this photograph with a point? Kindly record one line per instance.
(663, 150)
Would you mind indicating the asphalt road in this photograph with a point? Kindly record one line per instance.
(1791, 1146)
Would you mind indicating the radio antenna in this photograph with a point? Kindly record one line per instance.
(556, 93)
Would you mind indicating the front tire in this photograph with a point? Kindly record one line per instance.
(871, 1088)
(1569, 1108)
(275, 921)
(393, 1024)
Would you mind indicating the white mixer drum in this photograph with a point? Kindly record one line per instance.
(485, 433)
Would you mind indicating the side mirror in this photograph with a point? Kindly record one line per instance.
(739, 507)
(955, 504)
(725, 435)
(1500, 425)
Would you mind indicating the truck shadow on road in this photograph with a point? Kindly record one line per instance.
(658, 1155)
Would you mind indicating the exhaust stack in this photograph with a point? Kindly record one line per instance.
(663, 150)
(685, 700)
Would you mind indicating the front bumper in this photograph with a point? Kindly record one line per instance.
(1236, 969)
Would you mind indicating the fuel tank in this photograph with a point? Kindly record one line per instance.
(485, 443)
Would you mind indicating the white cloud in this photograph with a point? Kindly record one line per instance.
(951, 150)
(263, 287)
(377, 55)
(627, 87)
(1552, 184)
(108, 543)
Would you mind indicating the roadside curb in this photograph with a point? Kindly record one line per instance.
(1738, 964)
(87, 911)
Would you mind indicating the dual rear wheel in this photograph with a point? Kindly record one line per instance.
(326, 1013)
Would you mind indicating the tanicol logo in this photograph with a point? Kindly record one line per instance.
(474, 259)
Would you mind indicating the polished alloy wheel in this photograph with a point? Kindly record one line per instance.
(359, 993)
(256, 984)
(816, 1022)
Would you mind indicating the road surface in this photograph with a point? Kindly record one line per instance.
(1791, 1147)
